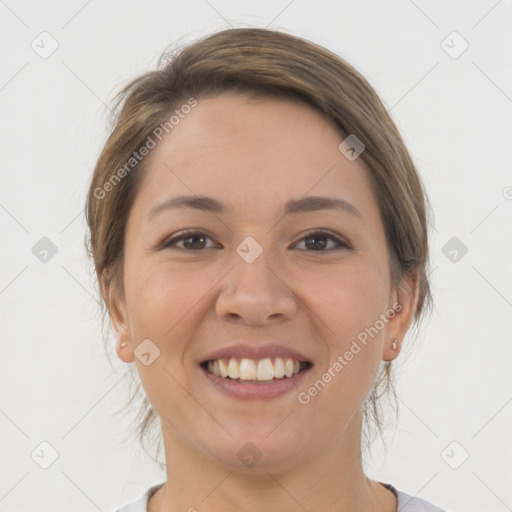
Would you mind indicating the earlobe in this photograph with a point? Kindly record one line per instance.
(118, 321)
(124, 347)
(406, 301)
(124, 351)
(391, 350)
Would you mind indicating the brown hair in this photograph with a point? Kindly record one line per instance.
(268, 63)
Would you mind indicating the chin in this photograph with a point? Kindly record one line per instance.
(258, 450)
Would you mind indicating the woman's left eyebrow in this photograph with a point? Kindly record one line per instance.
(293, 206)
(315, 203)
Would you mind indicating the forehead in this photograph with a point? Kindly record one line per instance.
(253, 152)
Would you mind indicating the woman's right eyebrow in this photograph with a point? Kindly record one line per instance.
(197, 202)
(293, 206)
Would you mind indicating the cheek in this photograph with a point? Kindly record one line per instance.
(167, 306)
(162, 303)
(161, 297)
(349, 303)
(347, 299)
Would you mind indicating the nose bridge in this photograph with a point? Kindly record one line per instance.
(253, 270)
(251, 273)
(252, 290)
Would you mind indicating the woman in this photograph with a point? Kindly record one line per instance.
(259, 234)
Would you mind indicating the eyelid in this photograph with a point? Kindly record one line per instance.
(340, 241)
(172, 240)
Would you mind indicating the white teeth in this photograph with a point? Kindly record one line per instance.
(224, 372)
(233, 369)
(265, 369)
(288, 367)
(250, 369)
(279, 368)
(247, 369)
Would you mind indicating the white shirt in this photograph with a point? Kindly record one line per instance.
(406, 503)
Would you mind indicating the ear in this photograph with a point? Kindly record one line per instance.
(404, 305)
(118, 320)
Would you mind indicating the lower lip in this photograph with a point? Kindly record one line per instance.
(247, 390)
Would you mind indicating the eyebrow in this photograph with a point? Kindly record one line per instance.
(293, 206)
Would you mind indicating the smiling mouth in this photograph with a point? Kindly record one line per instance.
(266, 369)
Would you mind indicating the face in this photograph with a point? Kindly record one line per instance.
(276, 253)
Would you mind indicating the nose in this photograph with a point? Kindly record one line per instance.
(255, 294)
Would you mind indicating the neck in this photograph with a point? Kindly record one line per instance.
(333, 479)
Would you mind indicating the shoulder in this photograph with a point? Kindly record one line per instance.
(407, 503)
(142, 503)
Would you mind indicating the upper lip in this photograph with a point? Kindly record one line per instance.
(256, 352)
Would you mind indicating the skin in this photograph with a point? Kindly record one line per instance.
(254, 154)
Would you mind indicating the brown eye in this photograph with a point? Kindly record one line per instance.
(187, 241)
(321, 241)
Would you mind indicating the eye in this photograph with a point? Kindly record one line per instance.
(192, 241)
(319, 241)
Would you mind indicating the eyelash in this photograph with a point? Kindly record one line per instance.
(170, 243)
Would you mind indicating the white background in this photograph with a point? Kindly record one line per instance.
(56, 382)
